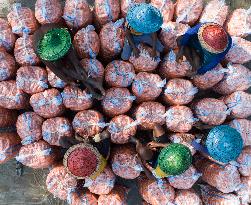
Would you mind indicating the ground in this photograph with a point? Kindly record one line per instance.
(30, 189)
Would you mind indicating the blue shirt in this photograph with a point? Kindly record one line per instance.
(210, 60)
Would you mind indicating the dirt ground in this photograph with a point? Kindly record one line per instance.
(30, 188)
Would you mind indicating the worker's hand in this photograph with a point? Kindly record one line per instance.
(136, 52)
(153, 146)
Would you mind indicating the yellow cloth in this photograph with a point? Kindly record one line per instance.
(159, 173)
(100, 169)
(132, 30)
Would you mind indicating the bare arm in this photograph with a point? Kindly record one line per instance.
(155, 145)
(143, 151)
(147, 169)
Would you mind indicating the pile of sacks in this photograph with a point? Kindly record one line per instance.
(38, 109)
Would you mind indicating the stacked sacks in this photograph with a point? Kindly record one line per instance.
(106, 11)
(170, 68)
(215, 11)
(170, 32)
(125, 5)
(240, 51)
(48, 11)
(243, 27)
(188, 12)
(22, 20)
(145, 62)
(9, 146)
(112, 38)
(77, 14)
(7, 66)
(124, 162)
(24, 52)
(156, 192)
(87, 43)
(137, 97)
(166, 8)
(7, 38)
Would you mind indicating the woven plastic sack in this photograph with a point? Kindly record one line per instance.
(244, 161)
(48, 11)
(60, 183)
(7, 66)
(119, 73)
(243, 126)
(94, 68)
(240, 51)
(11, 97)
(29, 127)
(122, 128)
(24, 52)
(210, 78)
(179, 119)
(216, 11)
(170, 32)
(81, 197)
(106, 10)
(76, 99)
(211, 111)
(145, 62)
(147, 86)
(103, 184)
(245, 191)
(239, 104)
(126, 4)
(117, 101)
(56, 129)
(9, 146)
(239, 23)
(166, 8)
(117, 196)
(7, 38)
(212, 196)
(86, 42)
(112, 38)
(179, 91)
(237, 78)
(124, 162)
(156, 192)
(32, 79)
(48, 104)
(225, 178)
(77, 14)
(186, 197)
(88, 123)
(185, 180)
(170, 68)
(55, 81)
(37, 155)
(22, 20)
(149, 114)
(188, 11)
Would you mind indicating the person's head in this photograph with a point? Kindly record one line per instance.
(213, 38)
(144, 18)
(224, 143)
(173, 160)
(83, 161)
